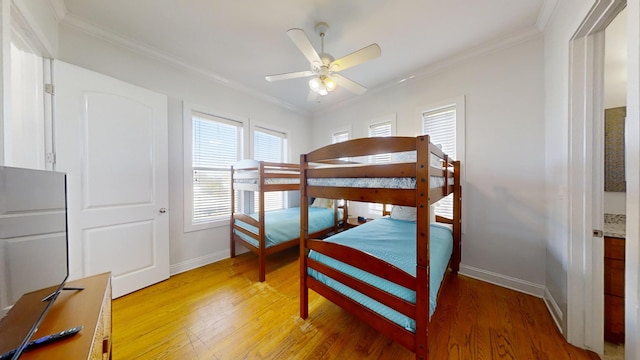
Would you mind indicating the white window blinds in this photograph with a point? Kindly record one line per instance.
(216, 145)
(269, 145)
(440, 125)
(380, 130)
(340, 136)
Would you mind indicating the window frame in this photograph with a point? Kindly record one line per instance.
(187, 127)
(458, 103)
(375, 209)
(275, 131)
(335, 132)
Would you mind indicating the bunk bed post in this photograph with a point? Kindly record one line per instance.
(304, 235)
(261, 236)
(232, 243)
(422, 246)
(457, 218)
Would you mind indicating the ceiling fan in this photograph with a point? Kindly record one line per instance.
(324, 68)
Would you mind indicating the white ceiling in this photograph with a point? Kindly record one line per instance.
(241, 41)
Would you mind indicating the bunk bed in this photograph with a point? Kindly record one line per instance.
(268, 232)
(365, 270)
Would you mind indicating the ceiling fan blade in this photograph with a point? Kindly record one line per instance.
(357, 57)
(302, 42)
(350, 85)
(291, 75)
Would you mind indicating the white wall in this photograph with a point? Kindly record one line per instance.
(191, 249)
(503, 196)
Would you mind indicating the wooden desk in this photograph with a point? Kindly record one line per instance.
(90, 308)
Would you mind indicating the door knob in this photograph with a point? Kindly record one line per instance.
(163, 210)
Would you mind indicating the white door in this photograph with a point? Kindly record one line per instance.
(110, 137)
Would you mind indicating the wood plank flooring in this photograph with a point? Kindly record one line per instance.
(221, 311)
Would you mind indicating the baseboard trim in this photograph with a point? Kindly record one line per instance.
(198, 262)
(554, 309)
(508, 282)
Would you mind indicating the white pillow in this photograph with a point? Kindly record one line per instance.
(322, 203)
(403, 213)
(432, 211)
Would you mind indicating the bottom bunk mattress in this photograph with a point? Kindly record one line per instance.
(283, 225)
(393, 241)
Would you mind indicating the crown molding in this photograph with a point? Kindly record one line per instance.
(546, 11)
(60, 9)
(441, 66)
(148, 51)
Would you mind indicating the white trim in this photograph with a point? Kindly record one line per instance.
(146, 50)
(348, 129)
(198, 262)
(27, 26)
(390, 118)
(632, 162)
(548, 7)
(60, 9)
(554, 308)
(440, 67)
(505, 281)
(585, 274)
(461, 123)
(461, 137)
(374, 210)
(187, 113)
(269, 129)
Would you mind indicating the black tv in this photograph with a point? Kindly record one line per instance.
(33, 247)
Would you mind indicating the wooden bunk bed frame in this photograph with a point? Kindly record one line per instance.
(421, 197)
(256, 176)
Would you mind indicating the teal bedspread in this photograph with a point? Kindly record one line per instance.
(283, 225)
(393, 241)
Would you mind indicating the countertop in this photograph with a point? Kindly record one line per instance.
(615, 225)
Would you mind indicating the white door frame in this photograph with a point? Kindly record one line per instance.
(632, 172)
(585, 282)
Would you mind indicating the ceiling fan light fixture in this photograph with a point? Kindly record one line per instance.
(315, 84)
(322, 64)
(329, 83)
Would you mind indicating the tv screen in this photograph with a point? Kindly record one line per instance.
(33, 245)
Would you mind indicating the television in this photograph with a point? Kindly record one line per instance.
(33, 248)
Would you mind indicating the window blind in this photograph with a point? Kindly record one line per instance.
(379, 130)
(217, 144)
(340, 136)
(269, 145)
(440, 125)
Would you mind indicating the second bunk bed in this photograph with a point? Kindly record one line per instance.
(267, 232)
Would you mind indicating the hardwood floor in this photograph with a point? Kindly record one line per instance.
(220, 311)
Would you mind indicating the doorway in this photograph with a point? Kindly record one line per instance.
(614, 197)
(586, 131)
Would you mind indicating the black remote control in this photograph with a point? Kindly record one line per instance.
(43, 341)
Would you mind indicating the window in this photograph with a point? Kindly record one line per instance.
(212, 145)
(340, 136)
(379, 129)
(269, 145)
(444, 123)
